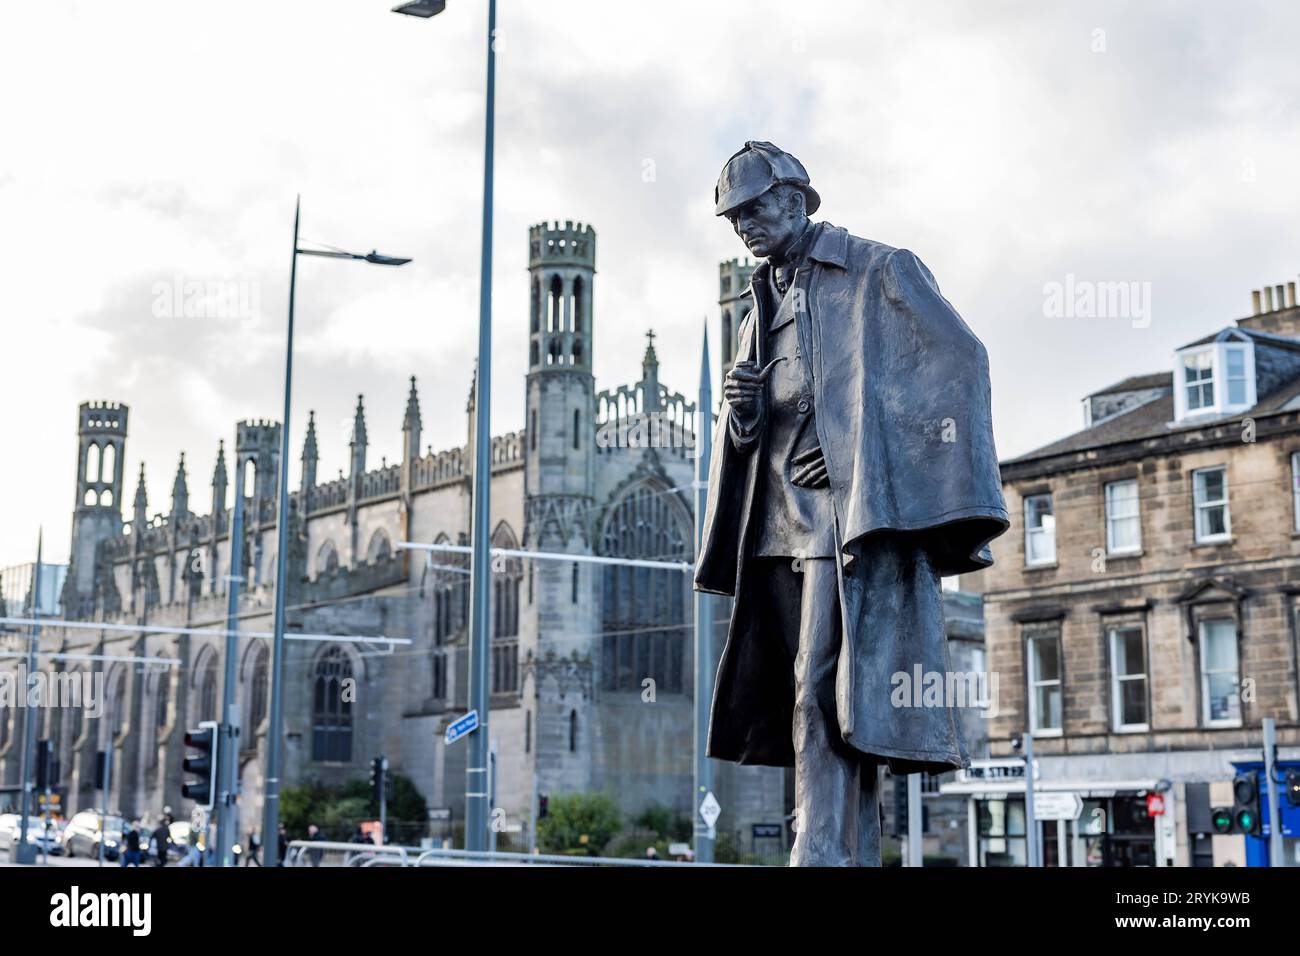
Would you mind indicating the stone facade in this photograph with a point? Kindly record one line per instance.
(574, 645)
(1129, 628)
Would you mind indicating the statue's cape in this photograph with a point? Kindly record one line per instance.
(901, 396)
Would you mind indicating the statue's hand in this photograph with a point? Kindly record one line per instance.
(810, 469)
(743, 389)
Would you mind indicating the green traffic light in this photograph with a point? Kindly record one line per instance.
(1222, 821)
(1246, 821)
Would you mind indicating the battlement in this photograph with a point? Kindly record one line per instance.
(109, 417)
(733, 277)
(257, 434)
(550, 243)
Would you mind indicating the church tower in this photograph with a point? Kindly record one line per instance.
(558, 657)
(734, 302)
(101, 444)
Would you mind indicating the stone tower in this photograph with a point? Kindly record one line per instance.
(558, 648)
(257, 443)
(734, 302)
(101, 444)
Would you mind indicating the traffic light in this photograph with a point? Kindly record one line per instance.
(47, 767)
(1293, 787)
(900, 806)
(1221, 820)
(378, 779)
(542, 805)
(1245, 804)
(206, 743)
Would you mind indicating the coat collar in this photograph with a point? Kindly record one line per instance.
(830, 245)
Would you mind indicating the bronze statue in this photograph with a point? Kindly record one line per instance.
(853, 467)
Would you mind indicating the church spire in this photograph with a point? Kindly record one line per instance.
(411, 425)
(650, 375)
(310, 455)
(358, 442)
(141, 503)
(180, 492)
(219, 480)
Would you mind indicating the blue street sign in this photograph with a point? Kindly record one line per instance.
(462, 726)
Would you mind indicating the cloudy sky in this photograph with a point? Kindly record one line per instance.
(1009, 144)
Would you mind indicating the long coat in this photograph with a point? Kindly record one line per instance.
(901, 392)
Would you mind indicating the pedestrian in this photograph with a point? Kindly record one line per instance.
(131, 845)
(162, 842)
(254, 847)
(282, 843)
(313, 834)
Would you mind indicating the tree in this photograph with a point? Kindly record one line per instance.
(337, 810)
(578, 824)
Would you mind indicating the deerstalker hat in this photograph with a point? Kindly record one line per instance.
(756, 168)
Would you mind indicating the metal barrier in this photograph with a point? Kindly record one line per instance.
(323, 853)
(441, 857)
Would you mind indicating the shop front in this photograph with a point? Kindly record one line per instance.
(1079, 823)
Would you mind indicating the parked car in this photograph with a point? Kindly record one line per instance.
(7, 821)
(48, 839)
(81, 835)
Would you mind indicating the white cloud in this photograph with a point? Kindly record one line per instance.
(156, 139)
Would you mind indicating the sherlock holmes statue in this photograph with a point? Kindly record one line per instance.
(854, 465)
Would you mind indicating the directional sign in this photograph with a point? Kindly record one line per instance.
(462, 726)
(710, 809)
(1057, 805)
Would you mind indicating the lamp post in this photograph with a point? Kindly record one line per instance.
(476, 782)
(275, 716)
(24, 852)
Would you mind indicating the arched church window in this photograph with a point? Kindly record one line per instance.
(115, 713)
(450, 589)
(380, 549)
(331, 738)
(327, 559)
(208, 687)
(579, 294)
(507, 576)
(257, 679)
(645, 611)
(74, 721)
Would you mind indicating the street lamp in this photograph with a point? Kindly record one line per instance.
(421, 8)
(476, 773)
(271, 798)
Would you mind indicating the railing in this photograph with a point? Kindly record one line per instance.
(441, 857)
(330, 854)
(325, 853)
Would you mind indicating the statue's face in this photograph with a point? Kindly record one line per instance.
(768, 223)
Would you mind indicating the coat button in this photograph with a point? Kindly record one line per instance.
(803, 406)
